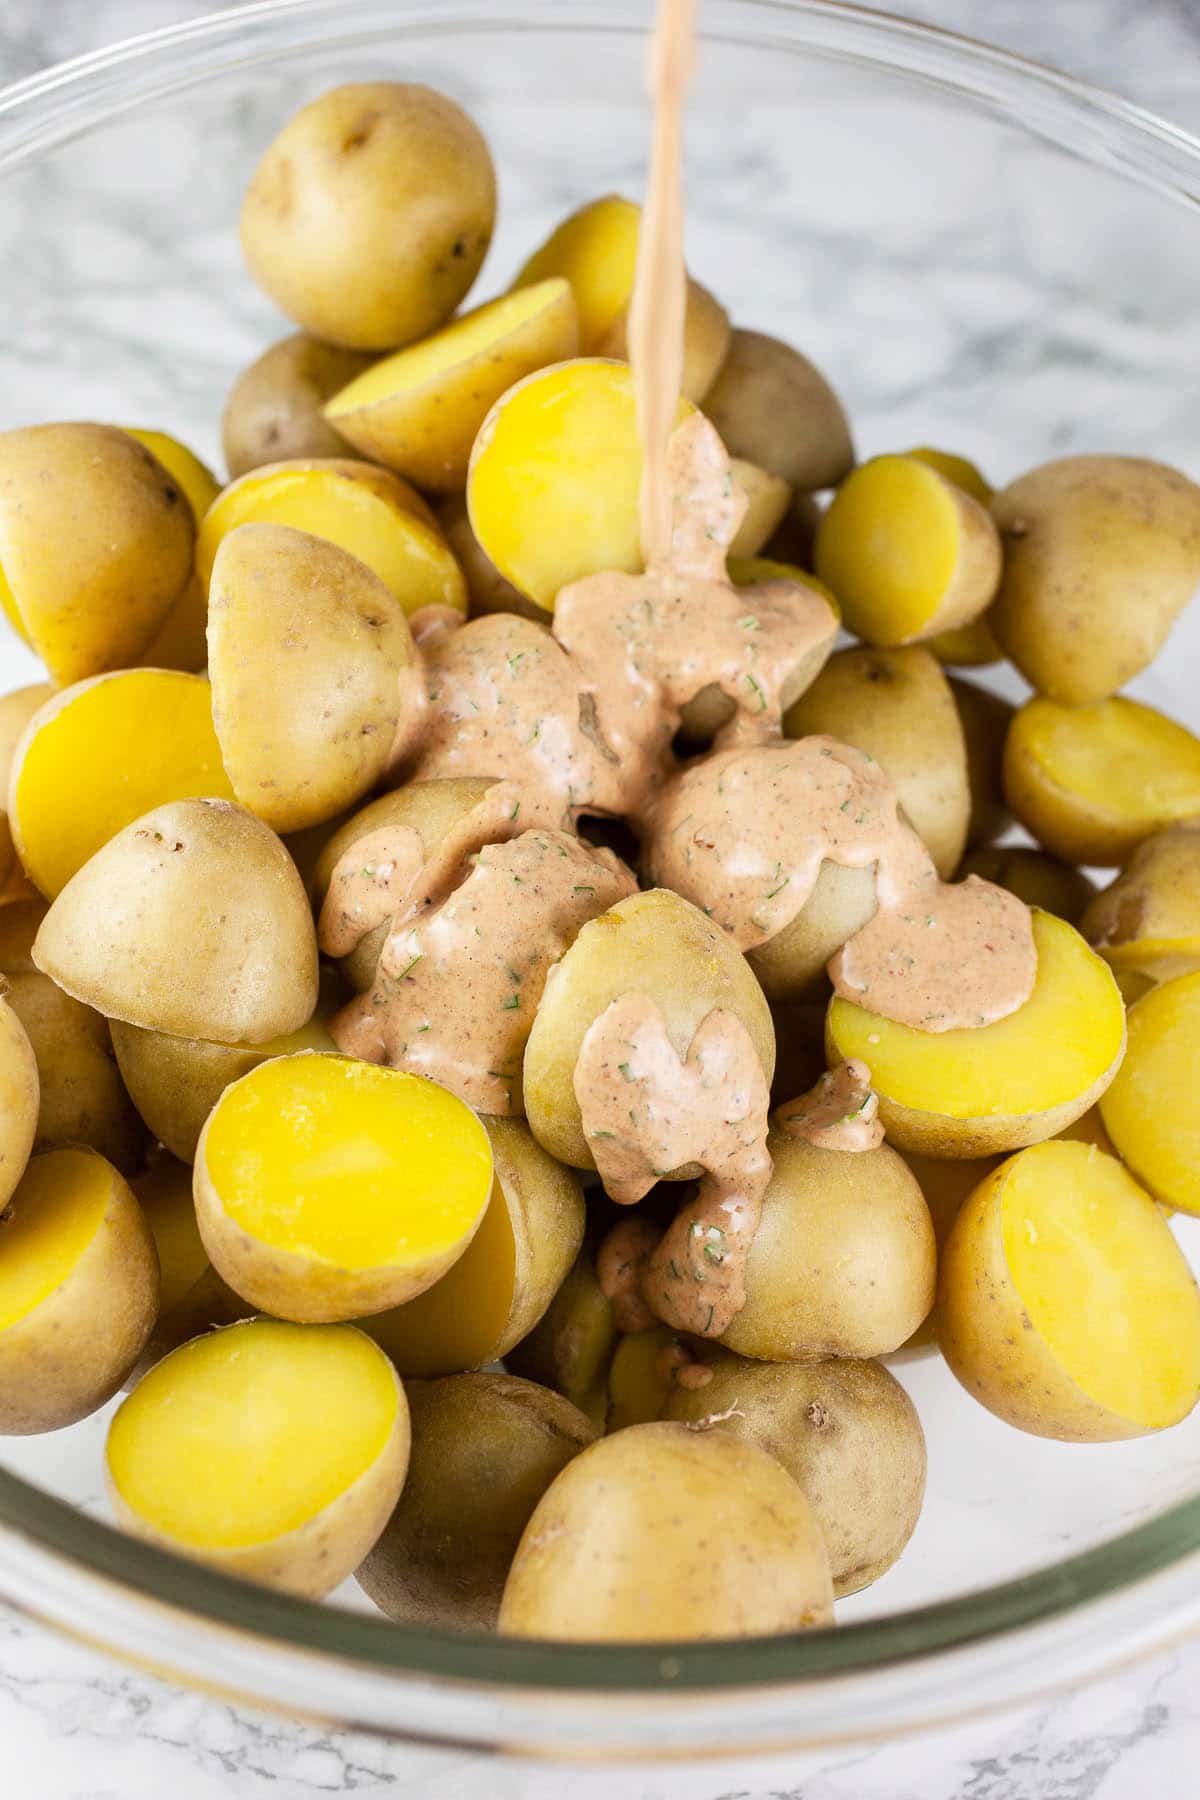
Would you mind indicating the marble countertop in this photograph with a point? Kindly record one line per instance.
(76, 1726)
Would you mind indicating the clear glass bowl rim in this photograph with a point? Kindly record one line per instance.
(56, 1562)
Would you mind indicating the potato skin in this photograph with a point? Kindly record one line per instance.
(274, 410)
(370, 213)
(1101, 553)
(844, 1261)
(848, 1434)
(19, 922)
(898, 706)
(661, 1533)
(707, 335)
(193, 920)
(175, 1082)
(985, 719)
(485, 1448)
(791, 965)
(18, 1097)
(315, 1558)
(572, 1345)
(1034, 876)
(71, 1354)
(1148, 920)
(83, 1100)
(775, 408)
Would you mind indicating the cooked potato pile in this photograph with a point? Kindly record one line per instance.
(474, 952)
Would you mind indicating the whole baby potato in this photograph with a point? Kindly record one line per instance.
(485, 1447)
(843, 1262)
(1148, 921)
(18, 1097)
(791, 965)
(275, 409)
(946, 1182)
(78, 1291)
(193, 920)
(845, 1430)
(652, 943)
(706, 339)
(1101, 555)
(1149, 1112)
(773, 407)
(83, 1100)
(92, 596)
(572, 1345)
(898, 706)
(370, 214)
(617, 1551)
(985, 718)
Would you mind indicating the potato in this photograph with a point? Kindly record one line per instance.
(795, 537)
(898, 707)
(272, 1451)
(791, 965)
(431, 809)
(78, 1291)
(860, 1213)
(99, 755)
(175, 1081)
(946, 1183)
(1090, 782)
(194, 921)
(595, 249)
(275, 410)
(617, 1548)
(179, 641)
(552, 489)
(767, 500)
(419, 409)
(1033, 876)
(9, 865)
(799, 1047)
(845, 1431)
(164, 1193)
(1148, 921)
(370, 213)
(641, 1376)
(487, 590)
(272, 1170)
(306, 650)
(975, 644)
(93, 596)
(958, 469)
(82, 1097)
(18, 1097)
(907, 553)
(505, 1279)
(19, 922)
(1055, 1239)
(991, 1088)
(485, 1448)
(16, 710)
(771, 406)
(368, 512)
(652, 943)
(985, 720)
(572, 1345)
(200, 486)
(1101, 554)
(1149, 1111)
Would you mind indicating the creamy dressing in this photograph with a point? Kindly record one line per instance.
(840, 1112)
(620, 1261)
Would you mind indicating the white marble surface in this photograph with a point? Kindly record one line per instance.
(74, 1726)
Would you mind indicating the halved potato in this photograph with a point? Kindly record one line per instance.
(1090, 782)
(1057, 1238)
(273, 1451)
(419, 409)
(767, 500)
(90, 594)
(487, 588)
(102, 753)
(992, 1088)
(966, 646)
(898, 707)
(306, 650)
(985, 717)
(192, 920)
(552, 488)
(1148, 921)
(284, 1147)
(653, 943)
(908, 553)
(1150, 1111)
(946, 1182)
(164, 1193)
(82, 1100)
(179, 641)
(773, 407)
(16, 710)
(958, 469)
(274, 412)
(369, 512)
(1034, 876)
(78, 1291)
(502, 1284)
(19, 922)
(18, 1097)
(571, 1347)
(706, 337)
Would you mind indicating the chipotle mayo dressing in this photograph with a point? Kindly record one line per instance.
(840, 1112)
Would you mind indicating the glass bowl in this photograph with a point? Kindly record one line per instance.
(984, 255)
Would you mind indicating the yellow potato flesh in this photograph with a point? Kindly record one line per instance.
(1102, 1280)
(1051, 1049)
(103, 754)
(62, 1202)
(958, 469)
(552, 490)
(1150, 1110)
(888, 547)
(404, 549)
(347, 1163)
(596, 251)
(248, 1433)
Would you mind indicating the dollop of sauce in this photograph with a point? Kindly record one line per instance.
(743, 834)
(679, 1364)
(620, 1259)
(840, 1112)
